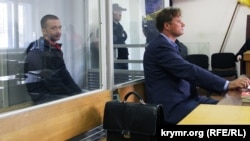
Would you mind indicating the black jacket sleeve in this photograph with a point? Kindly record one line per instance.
(244, 48)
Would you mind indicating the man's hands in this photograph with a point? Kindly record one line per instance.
(240, 83)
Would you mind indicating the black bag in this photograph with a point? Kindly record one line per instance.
(130, 121)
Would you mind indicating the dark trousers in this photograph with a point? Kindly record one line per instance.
(184, 108)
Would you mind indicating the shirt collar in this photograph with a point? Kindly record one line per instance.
(170, 41)
(56, 45)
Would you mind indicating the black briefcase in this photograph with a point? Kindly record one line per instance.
(131, 121)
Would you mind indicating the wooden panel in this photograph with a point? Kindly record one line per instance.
(139, 88)
(246, 58)
(248, 27)
(123, 91)
(58, 121)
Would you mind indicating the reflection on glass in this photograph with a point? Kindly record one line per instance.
(76, 52)
(20, 26)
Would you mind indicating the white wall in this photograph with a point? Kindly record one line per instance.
(208, 20)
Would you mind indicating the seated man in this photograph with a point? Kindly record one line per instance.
(46, 56)
(170, 80)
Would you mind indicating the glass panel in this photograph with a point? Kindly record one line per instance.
(4, 24)
(24, 24)
(40, 73)
(128, 39)
(198, 48)
(94, 47)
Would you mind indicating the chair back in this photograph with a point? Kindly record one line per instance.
(223, 61)
(224, 65)
(199, 59)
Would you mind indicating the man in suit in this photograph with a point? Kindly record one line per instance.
(170, 80)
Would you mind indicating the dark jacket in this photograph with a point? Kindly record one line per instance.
(119, 37)
(182, 48)
(244, 48)
(56, 79)
(170, 80)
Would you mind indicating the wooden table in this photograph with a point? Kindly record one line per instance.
(206, 114)
(246, 58)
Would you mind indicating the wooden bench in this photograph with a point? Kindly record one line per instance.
(55, 121)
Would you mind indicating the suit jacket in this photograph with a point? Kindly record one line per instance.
(171, 81)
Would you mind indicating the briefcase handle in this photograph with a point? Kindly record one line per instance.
(136, 94)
